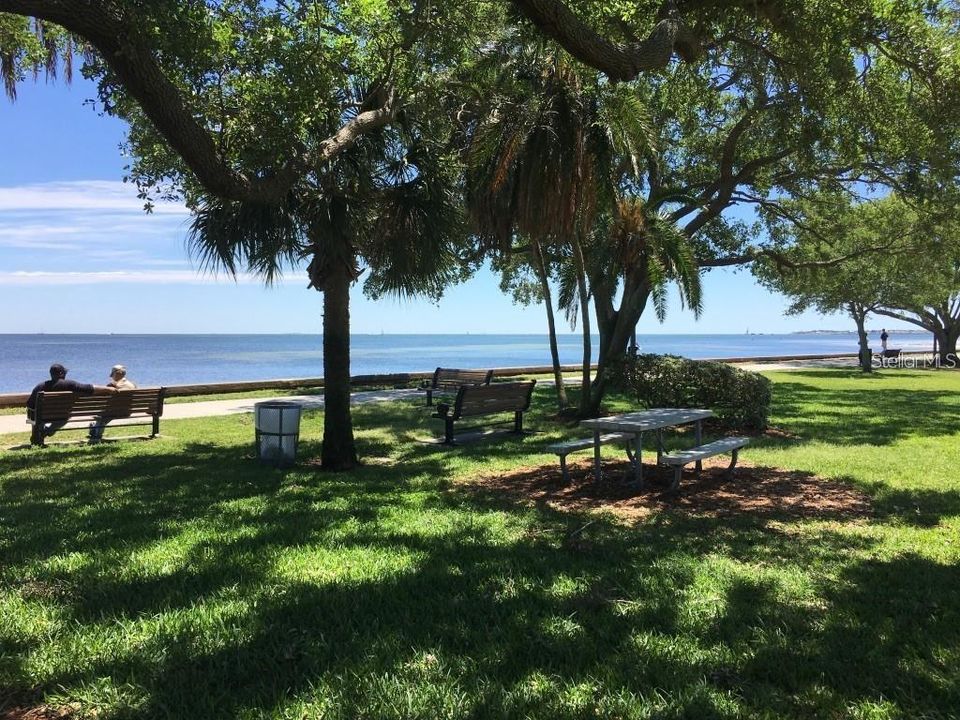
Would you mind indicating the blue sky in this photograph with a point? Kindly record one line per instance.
(78, 254)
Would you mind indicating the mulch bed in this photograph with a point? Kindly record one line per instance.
(37, 712)
(755, 491)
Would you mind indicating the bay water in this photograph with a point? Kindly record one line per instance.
(184, 359)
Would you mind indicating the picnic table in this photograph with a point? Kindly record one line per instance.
(637, 423)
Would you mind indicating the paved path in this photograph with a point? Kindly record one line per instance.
(208, 408)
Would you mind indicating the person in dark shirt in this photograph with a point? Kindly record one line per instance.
(58, 383)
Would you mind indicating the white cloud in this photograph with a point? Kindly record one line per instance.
(101, 195)
(29, 278)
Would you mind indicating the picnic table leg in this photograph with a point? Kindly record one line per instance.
(596, 455)
(659, 446)
(698, 437)
(638, 459)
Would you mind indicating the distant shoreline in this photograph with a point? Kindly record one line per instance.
(893, 331)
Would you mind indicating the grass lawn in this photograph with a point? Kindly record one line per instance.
(177, 578)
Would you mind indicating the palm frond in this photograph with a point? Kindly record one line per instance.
(410, 248)
(232, 236)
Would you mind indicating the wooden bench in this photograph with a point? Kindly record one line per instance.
(73, 410)
(718, 447)
(890, 354)
(565, 448)
(449, 380)
(493, 399)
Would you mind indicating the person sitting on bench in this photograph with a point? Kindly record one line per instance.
(58, 383)
(120, 381)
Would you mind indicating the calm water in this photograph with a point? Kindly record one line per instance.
(182, 359)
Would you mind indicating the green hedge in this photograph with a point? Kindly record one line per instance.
(740, 399)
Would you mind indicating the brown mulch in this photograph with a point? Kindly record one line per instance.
(37, 712)
(764, 492)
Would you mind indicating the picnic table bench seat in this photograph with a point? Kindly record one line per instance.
(679, 458)
(449, 380)
(562, 449)
(482, 400)
(74, 410)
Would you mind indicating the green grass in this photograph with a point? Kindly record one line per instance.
(178, 578)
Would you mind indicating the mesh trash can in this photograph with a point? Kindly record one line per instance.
(277, 432)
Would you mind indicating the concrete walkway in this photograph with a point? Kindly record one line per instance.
(208, 408)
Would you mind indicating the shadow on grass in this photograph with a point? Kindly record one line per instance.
(205, 585)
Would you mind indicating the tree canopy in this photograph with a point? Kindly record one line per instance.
(307, 131)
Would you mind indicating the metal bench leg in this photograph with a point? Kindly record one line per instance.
(596, 455)
(518, 421)
(36, 435)
(659, 445)
(733, 461)
(698, 436)
(677, 472)
(638, 460)
(448, 431)
(429, 397)
(563, 469)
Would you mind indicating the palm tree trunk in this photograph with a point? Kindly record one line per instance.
(541, 268)
(614, 337)
(339, 451)
(585, 326)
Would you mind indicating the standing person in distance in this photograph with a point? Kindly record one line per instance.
(883, 339)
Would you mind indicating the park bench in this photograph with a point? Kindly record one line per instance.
(890, 354)
(448, 380)
(565, 448)
(481, 400)
(718, 447)
(82, 410)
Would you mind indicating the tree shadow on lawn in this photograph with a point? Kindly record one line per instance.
(477, 618)
(868, 416)
(464, 615)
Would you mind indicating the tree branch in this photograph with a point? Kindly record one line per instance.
(619, 61)
(129, 56)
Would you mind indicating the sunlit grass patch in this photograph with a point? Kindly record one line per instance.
(181, 578)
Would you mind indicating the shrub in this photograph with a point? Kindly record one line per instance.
(740, 399)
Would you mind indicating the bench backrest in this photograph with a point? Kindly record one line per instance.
(493, 398)
(66, 406)
(453, 377)
(892, 353)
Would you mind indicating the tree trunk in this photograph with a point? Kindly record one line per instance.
(541, 268)
(615, 335)
(860, 318)
(339, 451)
(947, 338)
(585, 327)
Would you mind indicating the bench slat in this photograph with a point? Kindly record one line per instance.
(718, 447)
(563, 448)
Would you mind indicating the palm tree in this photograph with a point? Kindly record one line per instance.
(388, 204)
(546, 153)
(639, 256)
